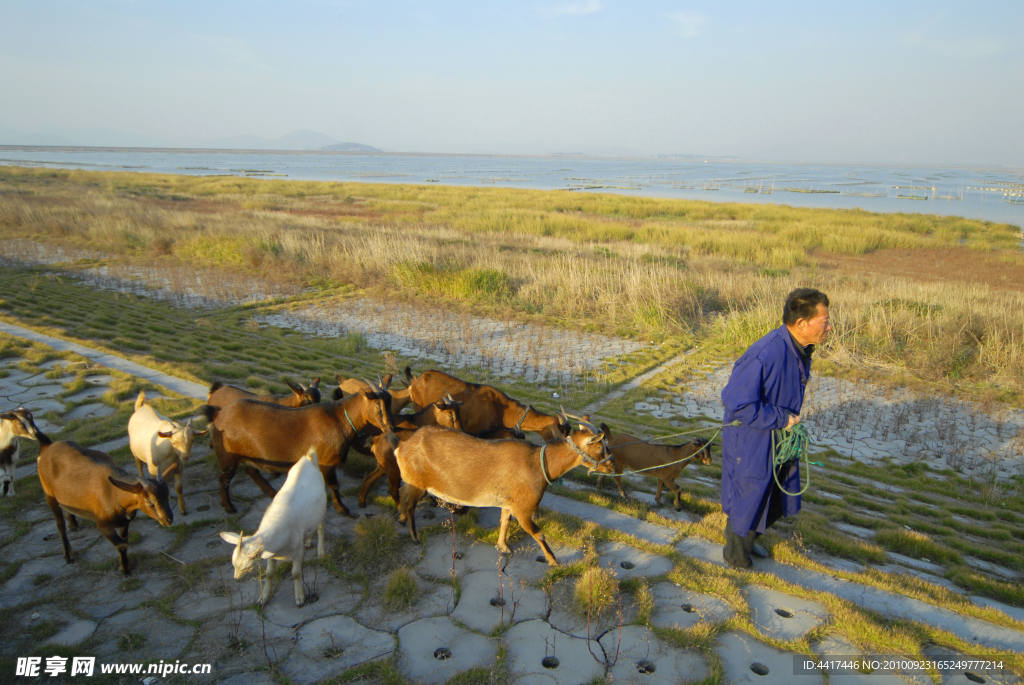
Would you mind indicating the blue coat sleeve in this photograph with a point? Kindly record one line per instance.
(743, 400)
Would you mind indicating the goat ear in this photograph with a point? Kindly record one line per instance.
(338, 377)
(202, 432)
(294, 388)
(315, 383)
(135, 488)
(387, 381)
(165, 434)
(169, 471)
(337, 394)
(605, 429)
(230, 538)
(266, 555)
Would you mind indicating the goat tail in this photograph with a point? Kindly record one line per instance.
(408, 374)
(209, 412)
(140, 400)
(217, 385)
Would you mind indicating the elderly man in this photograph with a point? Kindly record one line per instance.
(766, 393)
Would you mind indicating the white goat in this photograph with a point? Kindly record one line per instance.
(298, 509)
(10, 428)
(158, 442)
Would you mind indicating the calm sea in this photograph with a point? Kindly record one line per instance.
(994, 194)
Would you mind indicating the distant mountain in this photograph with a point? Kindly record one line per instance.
(349, 147)
(296, 140)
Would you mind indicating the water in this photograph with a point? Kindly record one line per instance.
(994, 194)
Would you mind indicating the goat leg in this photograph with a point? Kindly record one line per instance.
(525, 518)
(657, 497)
(138, 465)
(73, 522)
(331, 476)
(678, 493)
(260, 481)
(121, 543)
(58, 513)
(502, 545)
(181, 495)
(268, 581)
(410, 497)
(225, 496)
(600, 482)
(368, 482)
(618, 481)
(300, 591)
(320, 540)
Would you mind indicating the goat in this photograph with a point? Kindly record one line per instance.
(222, 395)
(444, 413)
(158, 442)
(88, 483)
(257, 435)
(484, 406)
(10, 429)
(298, 510)
(350, 386)
(634, 454)
(511, 474)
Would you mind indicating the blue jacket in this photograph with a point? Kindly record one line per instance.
(766, 386)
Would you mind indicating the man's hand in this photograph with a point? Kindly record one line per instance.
(793, 420)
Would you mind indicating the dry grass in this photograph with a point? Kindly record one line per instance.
(635, 266)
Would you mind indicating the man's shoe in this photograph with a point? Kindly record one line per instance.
(758, 550)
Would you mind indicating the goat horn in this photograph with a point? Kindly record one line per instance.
(369, 383)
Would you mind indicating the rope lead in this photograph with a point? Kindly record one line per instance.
(787, 445)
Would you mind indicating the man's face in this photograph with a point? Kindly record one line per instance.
(813, 331)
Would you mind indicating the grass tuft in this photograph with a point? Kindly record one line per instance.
(595, 592)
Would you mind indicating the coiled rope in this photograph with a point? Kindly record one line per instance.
(790, 444)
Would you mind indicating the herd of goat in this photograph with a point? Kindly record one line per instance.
(465, 444)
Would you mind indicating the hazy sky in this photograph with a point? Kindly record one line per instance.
(928, 82)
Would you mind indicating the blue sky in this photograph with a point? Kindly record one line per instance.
(928, 82)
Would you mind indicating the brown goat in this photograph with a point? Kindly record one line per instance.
(88, 483)
(634, 454)
(444, 414)
(484, 407)
(257, 435)
(511, 474)
(350, 386)
(222, 395)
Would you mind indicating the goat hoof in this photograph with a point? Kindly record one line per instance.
(362, 504)
(230, 509)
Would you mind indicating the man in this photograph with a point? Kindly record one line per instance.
(766, 393)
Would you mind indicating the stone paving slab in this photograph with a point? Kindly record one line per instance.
(627, 562)
(643, 658)
(679, 607)
(432, 650)
(328, 646)
(481, 608)
(527, 645)
(783, 616)
(741, 653)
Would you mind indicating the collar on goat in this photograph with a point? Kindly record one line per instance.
(543, 466)
(357, 433)
(587, 459)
